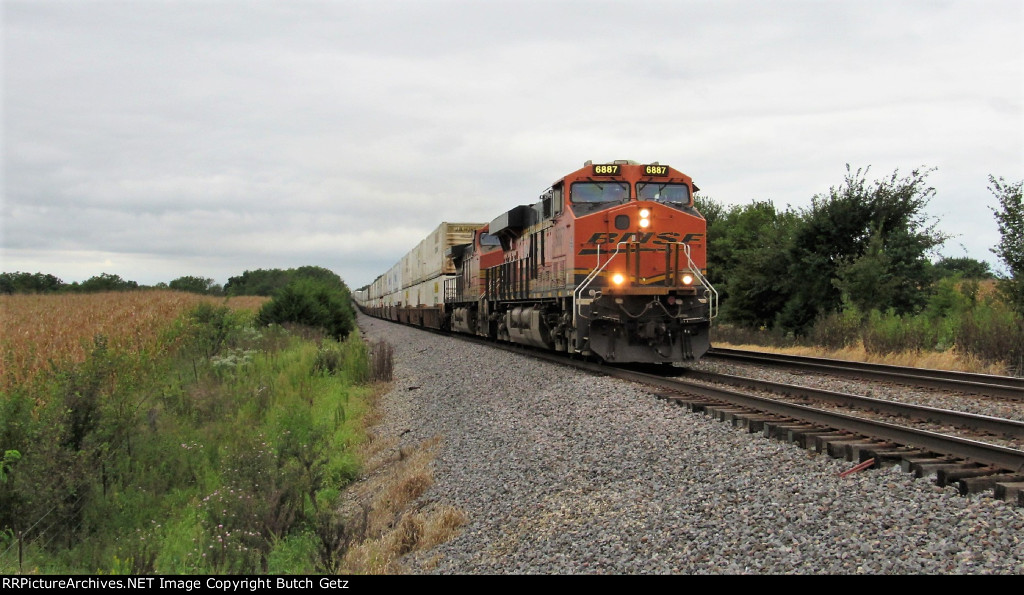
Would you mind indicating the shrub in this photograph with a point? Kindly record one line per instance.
(348, 358)
(312, 303)
(994, 333)
(951, 296)
(892, 333)
(839, 329)
(210, 449)
(210, 328)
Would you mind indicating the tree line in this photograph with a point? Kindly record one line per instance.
(865, 245)
(309, 295)
(265, 282)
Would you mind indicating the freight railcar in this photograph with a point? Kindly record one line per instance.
(610, 262)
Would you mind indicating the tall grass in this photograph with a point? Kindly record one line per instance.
(993, 333)
(389, 522)
(194, 442)
(963, 327)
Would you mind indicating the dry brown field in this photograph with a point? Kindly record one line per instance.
(38, 329)
(946, 360)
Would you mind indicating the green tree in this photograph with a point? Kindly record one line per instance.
(835, 250)
(748, 242)
(867, 281)
(29, 283)
(269, 281)
(968, 268)
(313, 303)
(258, 282)
(1010, 218)
(200, 285)
(104, 282)
(325, 276)
(713, 213)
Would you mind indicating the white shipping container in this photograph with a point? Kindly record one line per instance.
(424, 262)
(428, 259)
(429, 293)
(393, 279)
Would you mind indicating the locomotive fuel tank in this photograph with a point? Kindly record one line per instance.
(527, 325)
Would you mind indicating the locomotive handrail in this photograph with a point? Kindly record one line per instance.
(710, 291)
(578, 292)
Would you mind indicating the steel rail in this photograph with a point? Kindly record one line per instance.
(972, 450)
(1009, 387)
(1009, 427)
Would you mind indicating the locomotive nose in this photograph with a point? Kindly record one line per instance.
(631, 219)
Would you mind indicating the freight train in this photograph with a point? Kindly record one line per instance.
(610, 262)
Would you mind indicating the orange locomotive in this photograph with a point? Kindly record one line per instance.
(610, 262)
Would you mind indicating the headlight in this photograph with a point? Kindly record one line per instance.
(617, 278)
(687, 279)
(644, 217)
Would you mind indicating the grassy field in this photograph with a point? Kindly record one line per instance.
(39, 331)
(165, 432)
(158, 431)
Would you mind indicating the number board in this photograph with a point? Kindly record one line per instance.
(655, 170)
(611, 169)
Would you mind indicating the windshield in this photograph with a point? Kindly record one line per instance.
(594, 192)
(677, 194)
(589, 197)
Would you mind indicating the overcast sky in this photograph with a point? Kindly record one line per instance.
(154, 140)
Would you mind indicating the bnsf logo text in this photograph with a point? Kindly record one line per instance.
(665, 237)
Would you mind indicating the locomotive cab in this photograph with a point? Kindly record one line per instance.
(640, 292)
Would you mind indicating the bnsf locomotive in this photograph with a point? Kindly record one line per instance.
(609, 262)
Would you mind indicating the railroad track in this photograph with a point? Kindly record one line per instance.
(983, 425)
(856, 428)
(986, 385)
(971, 464)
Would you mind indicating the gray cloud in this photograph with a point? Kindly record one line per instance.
(159, 139)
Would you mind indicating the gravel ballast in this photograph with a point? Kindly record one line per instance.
(562, 472)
